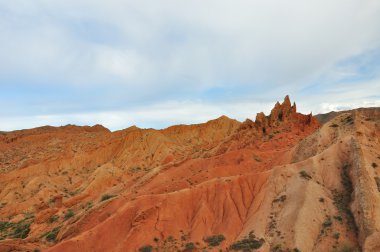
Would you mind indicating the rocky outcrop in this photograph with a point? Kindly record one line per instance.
(283, 116)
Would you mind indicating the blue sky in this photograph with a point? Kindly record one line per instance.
(158, 63)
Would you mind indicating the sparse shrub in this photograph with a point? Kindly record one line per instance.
(257, 158)
(134, 169)
(89, 205)
(334, 125)
(52, 235)
(53, 218)
(189, 247)
(276, 248)
(336, 235)
(184, 237)
(338, 218)
(215, 240)
(304, 175)
(321, 199)
(146, 248)
(106, 197)
(69, 214)
(28, 215)
(282, 198)
(327, 223)
(51, 201)
(342, 201)
(170, 238)
(296, 250)
(346, 181)
(374, 165)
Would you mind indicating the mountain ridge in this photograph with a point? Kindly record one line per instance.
(76, 188)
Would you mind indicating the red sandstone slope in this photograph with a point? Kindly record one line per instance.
(280, 183)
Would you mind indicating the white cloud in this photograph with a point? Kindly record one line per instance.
(120, 63)
(327, 107)
(245, 41)
(178, 50)
(158, 116)
(342, 96)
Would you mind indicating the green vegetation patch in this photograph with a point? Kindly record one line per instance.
(106, 197)
(327, 223)
(69, 214)
(247, 244)
(189, 247)
(342, 199)
(336, 235)
(52, 235)
(21, 230)
(215, 240)
(13, 230)
(146, 248)
(53, 218)
(338, 218)
(305, 175)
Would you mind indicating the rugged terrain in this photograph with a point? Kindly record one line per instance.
(284, 182)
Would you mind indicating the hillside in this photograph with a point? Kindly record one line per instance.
(284, 182)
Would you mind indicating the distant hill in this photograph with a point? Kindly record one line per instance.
(323, 118)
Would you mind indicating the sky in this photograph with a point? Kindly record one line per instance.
(157, 63)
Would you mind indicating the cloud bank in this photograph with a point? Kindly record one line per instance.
(155, 63)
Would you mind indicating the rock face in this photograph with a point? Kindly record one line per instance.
(284, 116)
(280, 183)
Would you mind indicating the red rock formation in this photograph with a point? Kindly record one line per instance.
(279, 183)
